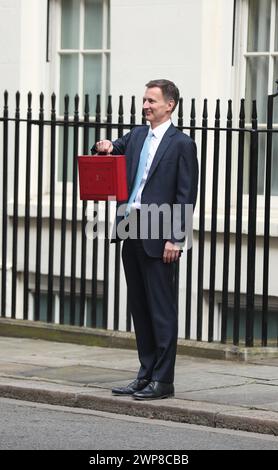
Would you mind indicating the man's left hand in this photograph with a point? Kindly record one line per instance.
(171, 252)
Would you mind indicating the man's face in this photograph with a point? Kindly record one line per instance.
(156, 109)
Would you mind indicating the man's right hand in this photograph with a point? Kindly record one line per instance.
(104, 146)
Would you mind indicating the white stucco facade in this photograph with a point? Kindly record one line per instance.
(187, 41)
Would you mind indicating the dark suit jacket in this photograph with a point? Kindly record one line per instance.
(172, 178)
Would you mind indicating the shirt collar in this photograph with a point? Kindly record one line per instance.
(160, 130)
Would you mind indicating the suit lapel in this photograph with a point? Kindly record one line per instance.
(165, 142)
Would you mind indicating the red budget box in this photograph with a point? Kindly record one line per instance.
(101, 177)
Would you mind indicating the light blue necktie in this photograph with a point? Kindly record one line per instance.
(140, 171)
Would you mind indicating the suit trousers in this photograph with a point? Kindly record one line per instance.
(151, 297)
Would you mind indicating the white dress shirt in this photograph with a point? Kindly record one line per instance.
(158, 134)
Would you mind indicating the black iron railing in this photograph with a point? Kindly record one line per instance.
(70, 289)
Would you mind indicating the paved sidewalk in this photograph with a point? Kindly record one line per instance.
(215, 393)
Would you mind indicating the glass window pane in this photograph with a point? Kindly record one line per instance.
(261, 162)
(271, 321)
(92, 78)
(259, 25)
(276, 28)
(257, 86)
(109, 27)
(70, 24)
(99, 313)
(69, 153)
(44, 305)
(93, 24)
(67, 306)
(68, 80)
(275, 85)
(107, 74)
(246, 168)
(274, 179)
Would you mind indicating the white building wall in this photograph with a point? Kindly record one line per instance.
(23, 64)
(34, 70)
(9, 46)
(216, 52)
(157, 39)
(187, 41)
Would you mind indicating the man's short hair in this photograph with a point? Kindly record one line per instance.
(168, 88)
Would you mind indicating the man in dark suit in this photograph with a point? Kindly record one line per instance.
(162, 172)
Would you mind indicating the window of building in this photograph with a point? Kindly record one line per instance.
(84, 50)
(272, 325)
(260, 53)
(88, 321)
(82, 61)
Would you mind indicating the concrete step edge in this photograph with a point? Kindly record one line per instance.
(182, 411)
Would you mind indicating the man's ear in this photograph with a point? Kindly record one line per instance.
(171, 104)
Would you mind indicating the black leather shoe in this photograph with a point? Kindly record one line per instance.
(154, 391)
(135, 386)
